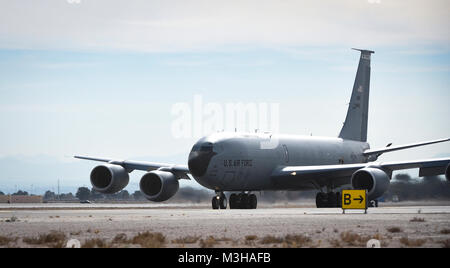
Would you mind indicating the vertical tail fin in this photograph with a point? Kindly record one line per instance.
(355, 125)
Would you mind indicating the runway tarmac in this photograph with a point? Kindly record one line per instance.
(197, 226)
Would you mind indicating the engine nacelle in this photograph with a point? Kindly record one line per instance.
(374, 180)
(109, 179)
(158, 185)
(447, 172)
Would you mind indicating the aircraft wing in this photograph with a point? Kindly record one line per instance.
(308, 177)
(427, 167)
(379, 151)
(181, 171)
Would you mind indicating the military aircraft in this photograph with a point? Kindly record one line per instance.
(244, 163)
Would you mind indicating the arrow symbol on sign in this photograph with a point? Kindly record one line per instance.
(360, 199)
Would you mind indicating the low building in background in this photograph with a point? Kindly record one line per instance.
(4, 198)
(21, 199)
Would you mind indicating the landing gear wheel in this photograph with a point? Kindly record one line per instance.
(215, 202)
(332, 200)
(328, 200)
(253, 201)
(338, 200)
(321, 200)
(222, 201)
(243, 201)
(233, 201)
(243, 204)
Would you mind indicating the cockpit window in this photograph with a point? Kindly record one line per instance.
(205, 147)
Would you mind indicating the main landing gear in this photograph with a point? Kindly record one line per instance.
(328, 200)
(237, 201)
(243, 201)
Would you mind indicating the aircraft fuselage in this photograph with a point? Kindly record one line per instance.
(245, 162)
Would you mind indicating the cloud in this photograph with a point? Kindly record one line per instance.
(175, 25)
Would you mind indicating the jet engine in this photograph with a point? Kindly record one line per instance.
(158, 185)
(374, 180)
(109, 179)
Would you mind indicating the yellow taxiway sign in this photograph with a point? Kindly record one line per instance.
(354, 199)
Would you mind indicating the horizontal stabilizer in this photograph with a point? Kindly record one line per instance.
(365, 51)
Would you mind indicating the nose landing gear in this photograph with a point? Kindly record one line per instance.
(219, 201)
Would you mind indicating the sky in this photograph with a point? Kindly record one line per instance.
(101, 77)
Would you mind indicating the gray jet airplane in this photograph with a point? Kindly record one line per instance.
(251, 162)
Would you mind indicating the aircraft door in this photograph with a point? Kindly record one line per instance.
(286, 153)
(283, 154)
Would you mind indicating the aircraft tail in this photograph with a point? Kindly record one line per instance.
(355, 125)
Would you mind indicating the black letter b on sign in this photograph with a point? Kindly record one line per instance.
(347, 199)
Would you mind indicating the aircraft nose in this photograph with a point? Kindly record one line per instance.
(199, 159)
